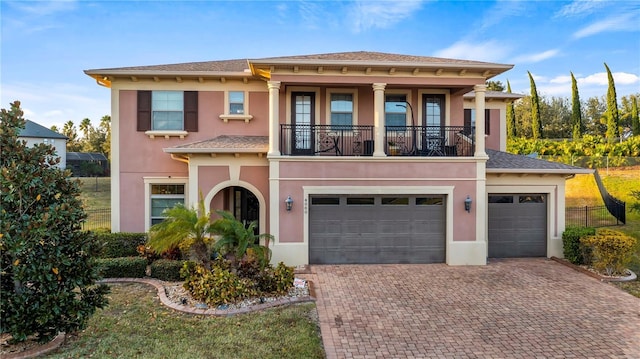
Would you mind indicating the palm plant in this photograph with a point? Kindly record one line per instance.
(184, 228)
(236, 238)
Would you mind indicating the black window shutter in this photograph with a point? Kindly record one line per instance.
(191, 111)
(144, 110)
(467, 121)
(487, 121)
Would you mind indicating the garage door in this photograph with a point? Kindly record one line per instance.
(376, 229)
(517, 225)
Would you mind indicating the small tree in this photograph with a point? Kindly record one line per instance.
(536, 123)
(236, 238)
(576, 112)
(48, 273)
(612, 109)
(186, 228)
(511, 117)
(635, 120)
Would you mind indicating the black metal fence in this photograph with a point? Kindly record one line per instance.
(326, 140)
(429, 141)
(616, 207)
(595, 216)
(97, 218)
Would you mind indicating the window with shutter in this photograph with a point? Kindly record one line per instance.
(167, 112)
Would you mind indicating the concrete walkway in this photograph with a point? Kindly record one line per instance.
(520, 308)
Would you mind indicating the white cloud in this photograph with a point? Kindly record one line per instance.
(482, 51)
(532, 58)
(364, 15)
(619, 78)
(627, 22)
(580, 7)
(562, 79)
(43, 7)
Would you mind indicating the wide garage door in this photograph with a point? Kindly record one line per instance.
(349, 229)
(517, 225)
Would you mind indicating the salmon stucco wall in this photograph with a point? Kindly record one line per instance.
(492, 141)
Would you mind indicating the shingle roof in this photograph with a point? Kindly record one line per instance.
(503, 162)
(225, 144)
(34, 130)
(242, 65)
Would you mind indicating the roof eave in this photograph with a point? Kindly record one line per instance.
(213, 150)
(554, 171)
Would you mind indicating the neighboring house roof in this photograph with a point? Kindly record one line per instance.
(503, 162)
(225, 144)
(33, 130)
(85, 156)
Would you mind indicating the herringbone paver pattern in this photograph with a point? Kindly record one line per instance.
(520, 308)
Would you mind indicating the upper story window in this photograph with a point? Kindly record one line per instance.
(341, 109)
(236, 102)
(167, 110)
(395, 110)
(470, 120)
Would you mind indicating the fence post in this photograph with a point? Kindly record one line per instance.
(586, 216)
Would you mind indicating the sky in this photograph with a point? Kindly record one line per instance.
(46, 45)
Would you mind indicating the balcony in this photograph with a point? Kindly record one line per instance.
(334, 140)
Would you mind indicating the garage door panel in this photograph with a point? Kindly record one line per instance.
(378, 233)
(517, 226)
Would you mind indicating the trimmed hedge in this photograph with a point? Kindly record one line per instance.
(115, 245)
(166, 269)
(573, 250)
(611, 250)
(125, 267)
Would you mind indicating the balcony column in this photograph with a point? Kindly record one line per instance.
(378, 119)
(274, 118)
(480, 100)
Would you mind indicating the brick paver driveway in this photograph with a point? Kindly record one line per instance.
(520, 308)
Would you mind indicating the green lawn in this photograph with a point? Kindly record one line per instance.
(137, 325)
(95, 192)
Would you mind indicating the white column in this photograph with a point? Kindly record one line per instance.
(480, 92)
(274, 118)
(378, 119)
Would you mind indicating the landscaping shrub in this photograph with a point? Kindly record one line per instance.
(166, 269)
(216, 286)
(222, 284)
(573, 251)
(611, 250)
(124, 267)
(48, 275)
(115, 245)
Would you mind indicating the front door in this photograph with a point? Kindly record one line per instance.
(246, 207)
(433, 120)
(302, 121)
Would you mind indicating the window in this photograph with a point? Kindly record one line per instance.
(341, 109)
(470, 120)
(325, 201)
(164, 196)
(501, 199)
(429, 201)
(395, 201)
(531, 199)
(395, 110)
(358, 201)
(168, 111)
(236, 103)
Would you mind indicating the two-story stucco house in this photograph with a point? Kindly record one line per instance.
(34, 133)
(356, 157)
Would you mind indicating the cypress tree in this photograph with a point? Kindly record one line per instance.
(635, 120)
(536, 123)
(511, 116)
(576, 114)
(613, 119)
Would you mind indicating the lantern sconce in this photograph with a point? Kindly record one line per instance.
(288, 203)
(467, 204)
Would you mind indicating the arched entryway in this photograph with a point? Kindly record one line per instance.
(242, 202)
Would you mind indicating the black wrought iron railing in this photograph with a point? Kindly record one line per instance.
(333, 140)
(326, 140)
(616, 207)
(595, 216)
(429, 141)
(97, 219)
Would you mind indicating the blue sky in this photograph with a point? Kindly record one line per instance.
(46, 45)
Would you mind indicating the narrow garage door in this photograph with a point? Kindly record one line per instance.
(376, 229)
(517, 225)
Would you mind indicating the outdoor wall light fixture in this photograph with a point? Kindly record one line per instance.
(467, 204)
(288, 203)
